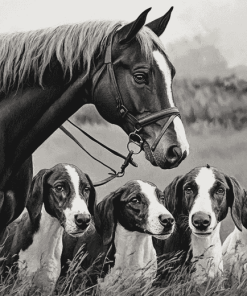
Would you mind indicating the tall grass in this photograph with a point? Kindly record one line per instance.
(179, 282)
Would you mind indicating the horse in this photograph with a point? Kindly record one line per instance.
(48, 74)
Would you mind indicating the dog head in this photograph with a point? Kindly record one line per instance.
(137, 206)
(204, 195)
(67, 194)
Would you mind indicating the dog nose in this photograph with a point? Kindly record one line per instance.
(166, 220)
(82, 220)
(201, 220)
(174, 155)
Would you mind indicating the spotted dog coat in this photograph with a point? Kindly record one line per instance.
(60, 198)
(199, 201)
(125, 222)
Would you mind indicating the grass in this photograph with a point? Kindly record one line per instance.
(80, 282)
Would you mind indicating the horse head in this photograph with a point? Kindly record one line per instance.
(132, 87)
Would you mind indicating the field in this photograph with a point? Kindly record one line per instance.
(215, 115)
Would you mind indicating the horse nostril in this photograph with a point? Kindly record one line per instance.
(166, 220)
(82, 220)
(201, 220)
(173, 154)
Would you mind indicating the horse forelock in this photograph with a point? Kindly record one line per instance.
(24, 56)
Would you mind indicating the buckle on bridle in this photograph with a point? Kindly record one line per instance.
(135, 139)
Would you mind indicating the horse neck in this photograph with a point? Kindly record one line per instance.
(134, 250)
(46, 248)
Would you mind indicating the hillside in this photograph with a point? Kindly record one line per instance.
(221, 102)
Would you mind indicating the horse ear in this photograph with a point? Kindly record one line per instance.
(235, 199)
(173, 196)
(105, 217)
(159, 25)
(36, 194)
(129, 31)
(92, 197)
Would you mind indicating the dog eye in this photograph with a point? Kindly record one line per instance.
(59, 188)
(188, 190)
(161, 197)
(86, 190)
(135, 200)
(220, 191)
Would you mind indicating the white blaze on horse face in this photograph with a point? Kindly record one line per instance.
(177, 122)
(181, 136)
(166, 71)
(78, 205)
(205, 181)
(155, 209)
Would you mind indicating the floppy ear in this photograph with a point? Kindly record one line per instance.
(92, 196)
(159, 25)
(173, 196)
(105, 217)
(129, 31)
(236, 200)
(36, 194)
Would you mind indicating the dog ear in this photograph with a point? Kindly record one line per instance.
(236, 200)
(159, 25)
(92, 197)
(129, 31)
(36, 194)
(173, 196)
(105, 217)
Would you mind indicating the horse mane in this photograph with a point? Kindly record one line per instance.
(25, 56)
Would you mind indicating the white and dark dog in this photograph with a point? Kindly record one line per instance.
(60, 198)
(125, 221)
(199, 201)
(235, 245)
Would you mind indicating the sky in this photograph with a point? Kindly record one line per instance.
(221, 23)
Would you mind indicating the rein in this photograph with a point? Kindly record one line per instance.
(127, 160)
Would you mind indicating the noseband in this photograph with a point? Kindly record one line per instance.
(124, 113)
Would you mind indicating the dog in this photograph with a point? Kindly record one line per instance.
(125, 222)
(235, 245)
(199, 201)
(60, 199)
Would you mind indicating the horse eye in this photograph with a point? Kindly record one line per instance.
(188, 190)
(140, 78)
(59, 188)
(220, 191)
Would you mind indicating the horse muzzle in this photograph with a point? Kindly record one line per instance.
(168, 159)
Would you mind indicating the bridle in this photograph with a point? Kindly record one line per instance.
(138, 124)
(125, 115)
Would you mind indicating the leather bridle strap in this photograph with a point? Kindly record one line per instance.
(165, 127)
(152, 118)
(121, 108)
